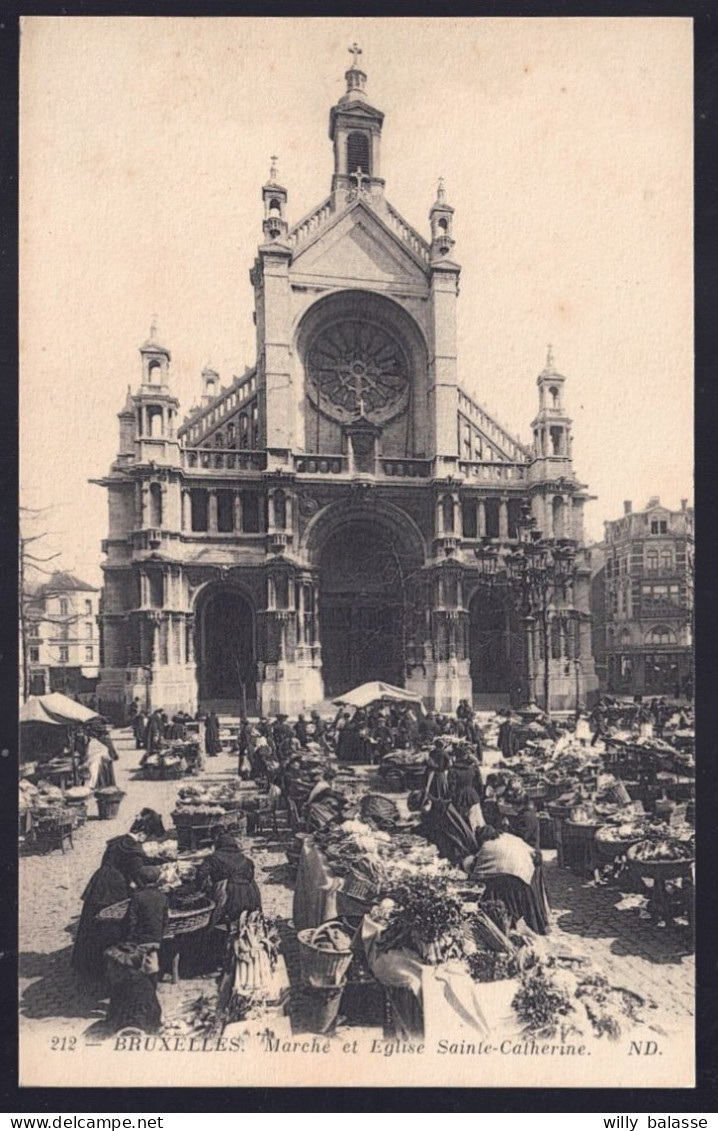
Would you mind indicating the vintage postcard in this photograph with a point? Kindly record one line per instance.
(356, 682)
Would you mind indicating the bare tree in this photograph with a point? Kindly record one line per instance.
(30, 610)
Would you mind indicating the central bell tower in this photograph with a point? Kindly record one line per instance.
(355, 131)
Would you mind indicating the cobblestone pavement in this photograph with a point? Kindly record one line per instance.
(597, 922)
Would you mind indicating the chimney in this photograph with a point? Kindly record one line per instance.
(627, 506)
(684, 504)
(654, 501)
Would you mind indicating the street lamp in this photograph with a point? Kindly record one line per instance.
(535, 569)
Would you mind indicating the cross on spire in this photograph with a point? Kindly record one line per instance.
(549, 357)
(273, 170)
(360, 179)
(356, 51)
(153, 328)
(441, 190)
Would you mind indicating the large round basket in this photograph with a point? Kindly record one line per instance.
(610, 849)
(321, 968)
(579, 830)
(393, 780)
(108, 805)
(658, 869)
(184, 922)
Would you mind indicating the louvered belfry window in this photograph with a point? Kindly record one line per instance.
(358, 154)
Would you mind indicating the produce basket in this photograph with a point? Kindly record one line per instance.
(358, 888)
(658, 869)
(322, 968)
(609, 849)
(108, 804)
(393, 780)
(163, 771)
(537, 792)
(78, 808)
(183, 922)
(195, 829)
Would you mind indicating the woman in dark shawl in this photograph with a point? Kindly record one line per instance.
(107, 886)
(229, 863)
(511, 872)
(436, 784)
(126, 854)
(442, 825)
(465, 784)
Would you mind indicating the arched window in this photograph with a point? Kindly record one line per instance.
(155, 504)
(243, 430)
(209, 388)
(556, 441)
(444, 224)
(556, 639)
(154, 372)
(553, 393)
(447, 511)
(280, 509)
(358, 153)
(155, 422)
(255, 426)
(275, 207)
(661, 634)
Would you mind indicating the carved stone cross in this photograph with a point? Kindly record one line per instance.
(356, 51)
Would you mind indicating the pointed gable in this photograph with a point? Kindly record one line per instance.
(359, 245)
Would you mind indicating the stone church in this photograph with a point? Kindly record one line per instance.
(314, 524)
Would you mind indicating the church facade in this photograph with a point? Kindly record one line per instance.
(315, 523)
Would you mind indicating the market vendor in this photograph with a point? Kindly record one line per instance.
(443, 826)
(508, 739)
(436, 783)
(526, 822)
(99, 757)
(506, 865)
(229, 863)
(466, 786)
(324, 803)
(147, 917)
(212, 741)
(126, 853)
(107, 886)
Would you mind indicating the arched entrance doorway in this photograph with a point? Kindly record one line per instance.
(225, 647)
(496, 648)
(364, 574)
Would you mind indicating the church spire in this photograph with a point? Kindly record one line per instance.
(441, 216)
(355, 77)
(274, 196)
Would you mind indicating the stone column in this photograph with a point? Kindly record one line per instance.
(439, 517)
(237, 510)
(186, 509)
(163, 511)
(503, 519)
(457, 515)
(270, 512)
(212, 512)
(300, 615)
(481, 529)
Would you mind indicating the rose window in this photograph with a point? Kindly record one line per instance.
(357, 369)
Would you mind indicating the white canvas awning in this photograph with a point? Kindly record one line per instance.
(378, 692)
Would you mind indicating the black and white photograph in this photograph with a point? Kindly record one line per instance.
(356, 678)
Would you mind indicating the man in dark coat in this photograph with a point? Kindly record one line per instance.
(212, 742)
(139, 729)
(147, 913)
(155, 732)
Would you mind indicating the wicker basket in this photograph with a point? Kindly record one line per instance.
(114, 912)
(108, 805)
(184, 922)
(394, 780)
(322, 968)
(357, 888)
(164, 773)
(659, 869)
(610, 849)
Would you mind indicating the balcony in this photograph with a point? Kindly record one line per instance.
(321, 465)
(407, 468)
(493, 472)
(213, 461)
